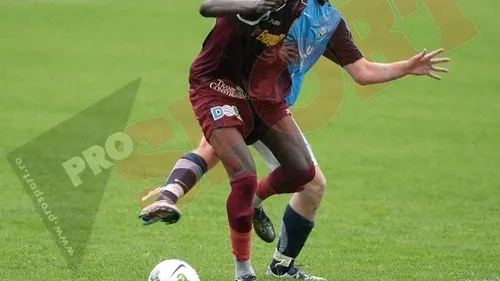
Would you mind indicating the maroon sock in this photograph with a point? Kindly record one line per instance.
(239, 202)
(279, 182)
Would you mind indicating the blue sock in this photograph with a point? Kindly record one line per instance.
(295, 230)
(198, 160)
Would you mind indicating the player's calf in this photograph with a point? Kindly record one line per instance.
(229, 145)
(297, 224)
(280, 182)
(240, 213)
(297, 168)
(239, 203)
(295, 230)
(305, 204)
(184, 176)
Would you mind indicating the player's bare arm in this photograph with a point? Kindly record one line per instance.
(343, 51)
(365, 72)
(221, 8)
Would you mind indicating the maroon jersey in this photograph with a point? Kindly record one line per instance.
(246, 54)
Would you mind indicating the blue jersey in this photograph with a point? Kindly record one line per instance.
(312, 32)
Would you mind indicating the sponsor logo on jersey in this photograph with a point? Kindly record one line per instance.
(309, 49)
(226, 110)
(268, 38)
(322, 32)
(223, 88)
(256, 31)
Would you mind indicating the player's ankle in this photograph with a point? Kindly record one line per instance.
(278, 269)
(243, 268)
(281, 264)
(168, 196)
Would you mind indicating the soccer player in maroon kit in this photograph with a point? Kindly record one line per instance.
(238, 84)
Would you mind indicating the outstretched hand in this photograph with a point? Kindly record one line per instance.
(426, 64)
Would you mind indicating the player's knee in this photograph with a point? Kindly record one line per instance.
(305, 175)
(319, 182)
(300, 167)
(315, 189)
(238, 167)
(204, 145)
(239, 203)
(305, 164)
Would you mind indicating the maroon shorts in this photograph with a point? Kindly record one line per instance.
(220, 104)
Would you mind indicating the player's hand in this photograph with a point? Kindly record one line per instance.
(288, 51)
(426, 64)
(264, 6)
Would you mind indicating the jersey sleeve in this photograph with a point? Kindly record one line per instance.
(301, 6)
(341, 49)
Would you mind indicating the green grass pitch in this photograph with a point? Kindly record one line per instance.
(413, 172)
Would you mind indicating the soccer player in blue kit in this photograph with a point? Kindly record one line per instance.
(319, 31)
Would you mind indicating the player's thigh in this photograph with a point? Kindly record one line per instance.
(224, 121)
(285, 140)
(309, 148)
(229, 145)
(266, 154)
(215, 110)
(272, 163)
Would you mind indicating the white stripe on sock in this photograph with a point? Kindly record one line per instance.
(176, 189)
(282, 259)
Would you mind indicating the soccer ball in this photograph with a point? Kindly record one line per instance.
(173, 270)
